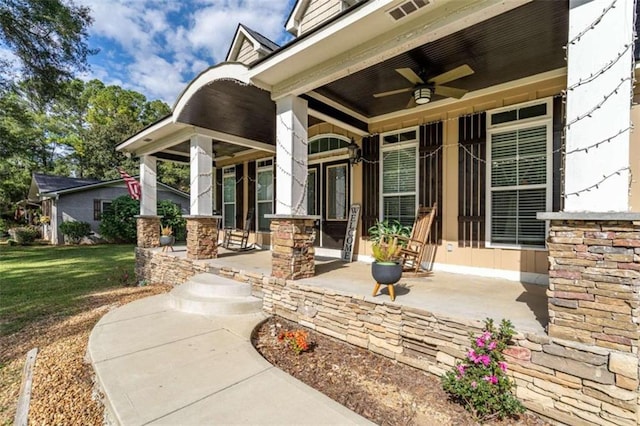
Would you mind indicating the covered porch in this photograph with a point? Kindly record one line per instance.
(457, 296)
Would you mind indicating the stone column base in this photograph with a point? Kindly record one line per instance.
(148, 231)
(202, 237)
(594, 279)
(293, 255)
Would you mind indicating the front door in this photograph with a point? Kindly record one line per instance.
(328, 196)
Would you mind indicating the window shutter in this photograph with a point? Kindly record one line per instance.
(251, 173)
(218, 189)
(370, 182)
(239, 196)
(558, 153)
(431, 174)
(472, 153)
(97, 209)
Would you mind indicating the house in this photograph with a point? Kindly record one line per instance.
(515, 117)
(462, 103)
(65, 198)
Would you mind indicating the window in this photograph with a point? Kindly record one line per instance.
(337, 192)
(229, 197)
(312, 205)
(264, 192)
(519, 173)
(399, 176)
(326, 143)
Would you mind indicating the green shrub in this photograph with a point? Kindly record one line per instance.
(380, 230)
(24, 235)
(479, 382)
(118, 223)
(74, 231)
(172, 216)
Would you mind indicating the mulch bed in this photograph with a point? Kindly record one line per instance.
(382, 390)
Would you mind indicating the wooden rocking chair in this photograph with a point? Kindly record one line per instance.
(236, 239)
(414, 246)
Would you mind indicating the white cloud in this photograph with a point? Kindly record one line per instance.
(156, 47)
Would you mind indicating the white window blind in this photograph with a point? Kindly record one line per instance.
(229, 197)
(399, 184)
(518, 184)
(264, 194)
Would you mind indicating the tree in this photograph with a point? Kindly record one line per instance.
(49, 41)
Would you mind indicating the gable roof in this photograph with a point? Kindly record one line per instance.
(261, 44)
(48, 183)
(79, 186)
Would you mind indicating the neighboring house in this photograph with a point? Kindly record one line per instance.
(470, 104)
(84, 200)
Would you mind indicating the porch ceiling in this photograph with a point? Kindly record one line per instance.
(230, 107)
(181, 152)
(523, 42)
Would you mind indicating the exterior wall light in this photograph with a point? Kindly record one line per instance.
(355, 153)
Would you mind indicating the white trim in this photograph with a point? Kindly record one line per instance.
(236, 140)
(263, 169)
(525, 277)
(543, 120)
(338, 106)
(236, 44)
(227, 175)
(347, 195)
(329, 119)
(394, 147)
(157, 145)
(145, 132)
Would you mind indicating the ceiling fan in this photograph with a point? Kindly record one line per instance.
(422, 90)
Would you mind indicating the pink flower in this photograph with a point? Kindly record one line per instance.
(484, 359)
(474, 384)
(473, 356)
(492, 345)
(461, 369)
(503, 365)
(491, 379)
(486, 336)
(480, 342)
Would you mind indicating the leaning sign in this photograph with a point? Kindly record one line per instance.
(350, 237)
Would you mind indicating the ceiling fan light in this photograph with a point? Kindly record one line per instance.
(422, 95)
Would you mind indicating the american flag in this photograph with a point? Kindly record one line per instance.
(133, 186)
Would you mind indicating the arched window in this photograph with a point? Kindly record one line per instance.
(326, 143)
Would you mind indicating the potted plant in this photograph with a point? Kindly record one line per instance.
(386, 268)
(166, 237)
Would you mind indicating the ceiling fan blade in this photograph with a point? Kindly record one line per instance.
(454, 74)
(450, 92)
(392, 92)
(412, 103)
(410, 75)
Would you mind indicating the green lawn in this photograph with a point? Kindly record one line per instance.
(39, 281)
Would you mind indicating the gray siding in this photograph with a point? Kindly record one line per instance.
(78, 206)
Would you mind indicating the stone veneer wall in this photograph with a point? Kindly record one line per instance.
(202, 237)
(148, 231)
(569, 382)
(594, 282)
(293, 255)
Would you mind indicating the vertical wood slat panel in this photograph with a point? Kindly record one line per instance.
(252, 199)
(430, 190)
(370, 182)
(471, 180)
(239, 196)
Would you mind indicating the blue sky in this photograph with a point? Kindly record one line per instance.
(156, 47)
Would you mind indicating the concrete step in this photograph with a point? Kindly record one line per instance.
(210, 294)
(211, 285)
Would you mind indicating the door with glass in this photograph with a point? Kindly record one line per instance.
(328, 195)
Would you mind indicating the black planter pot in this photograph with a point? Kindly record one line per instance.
(386, 273)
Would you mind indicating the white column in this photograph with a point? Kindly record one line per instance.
(148, 185)
(599, 55)
(201, 168)
(291, 156)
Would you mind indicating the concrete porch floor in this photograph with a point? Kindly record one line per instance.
(452, 295)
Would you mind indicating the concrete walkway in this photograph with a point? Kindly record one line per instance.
(158, 366)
